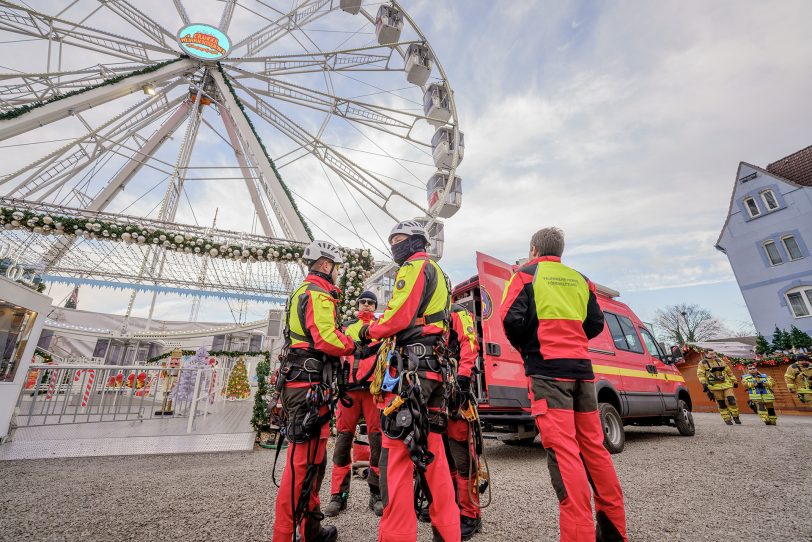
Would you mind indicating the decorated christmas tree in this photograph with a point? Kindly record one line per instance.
(238, 382)
(185, 387)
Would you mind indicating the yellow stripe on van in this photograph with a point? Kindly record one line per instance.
(609, 370)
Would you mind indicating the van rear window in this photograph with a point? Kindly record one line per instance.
(623, 333)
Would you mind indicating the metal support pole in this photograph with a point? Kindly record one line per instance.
(193, 406)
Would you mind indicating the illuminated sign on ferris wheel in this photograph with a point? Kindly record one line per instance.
(204, 42)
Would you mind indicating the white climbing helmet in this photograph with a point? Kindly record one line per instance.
(322, 249)
(409, 227)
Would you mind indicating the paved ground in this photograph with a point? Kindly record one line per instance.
(727, 483)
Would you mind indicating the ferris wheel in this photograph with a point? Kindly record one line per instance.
(201, 128)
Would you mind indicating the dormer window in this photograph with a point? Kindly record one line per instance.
(752, 207)
(768, 197)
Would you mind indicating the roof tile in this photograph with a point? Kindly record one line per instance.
(797, 167)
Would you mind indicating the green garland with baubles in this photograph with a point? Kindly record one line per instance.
(357, 266)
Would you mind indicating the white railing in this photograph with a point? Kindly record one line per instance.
(72, 394)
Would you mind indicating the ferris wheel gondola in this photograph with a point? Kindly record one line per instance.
(338, 121)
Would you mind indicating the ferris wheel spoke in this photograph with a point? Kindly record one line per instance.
(60, 163)
(369, 58)
(394, 122)
(290, 220)
(66, 107)
(307, 11)
(139, 20)
(181, 11)
(27, 88)
(28, 22)
(228, 12)
(147, 150)
(371, 186)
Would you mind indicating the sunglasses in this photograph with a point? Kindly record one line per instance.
(366, 302)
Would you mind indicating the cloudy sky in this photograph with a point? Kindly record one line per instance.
(621, 122)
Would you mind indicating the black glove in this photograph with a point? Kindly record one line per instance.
(705, 388)
(363, 335)
(735, 384)
(464, 383)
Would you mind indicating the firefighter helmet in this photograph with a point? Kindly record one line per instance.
(410, 228)
(322, 249)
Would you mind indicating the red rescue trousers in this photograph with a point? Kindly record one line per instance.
(571, 432)
(346, 421)
(467, 490)
(300, 454)
(399, 522)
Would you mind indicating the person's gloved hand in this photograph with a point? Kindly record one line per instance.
(363, 335)
(705, 388)
(735, 384)
(464, 383)
(802, 397)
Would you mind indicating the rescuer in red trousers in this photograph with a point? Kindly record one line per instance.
(349, 412)
(412, 430)
(463, 344)
(314, 344)
(549, 312)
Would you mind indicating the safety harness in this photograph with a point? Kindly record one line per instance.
(320, 372)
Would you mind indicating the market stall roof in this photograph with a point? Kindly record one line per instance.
(739, 347)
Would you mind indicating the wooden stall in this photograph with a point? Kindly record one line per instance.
(785, 402)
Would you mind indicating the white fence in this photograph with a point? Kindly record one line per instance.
(69, 394)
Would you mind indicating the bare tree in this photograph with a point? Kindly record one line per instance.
(687, 323)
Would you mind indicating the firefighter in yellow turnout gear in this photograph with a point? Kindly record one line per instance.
(718, 381)
(799, 378)
(760, 391)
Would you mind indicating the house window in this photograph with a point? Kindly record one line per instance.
(752, 207)
(772, 253)
(792, 247)
(800, 301)
(768, 197)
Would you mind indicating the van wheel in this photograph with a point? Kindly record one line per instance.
(614, 438)
(684, 420)
(520, 441)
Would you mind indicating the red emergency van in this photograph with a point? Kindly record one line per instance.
(637, 383)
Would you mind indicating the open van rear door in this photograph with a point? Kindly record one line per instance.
(504, 370)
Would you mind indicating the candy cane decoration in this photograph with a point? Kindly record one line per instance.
(51, 386)
(91, 375)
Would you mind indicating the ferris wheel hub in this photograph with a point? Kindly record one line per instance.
(204, 42)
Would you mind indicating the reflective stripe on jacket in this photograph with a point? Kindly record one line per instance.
(311, 319)
(549, 312)
(462, 336)
(419, 304)
(715, 373)
(759, 387)
(799, 378)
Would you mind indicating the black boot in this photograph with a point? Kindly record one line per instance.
(469, 526)
(376, 504)
(327, 534)
(337, 504)
(729, 421)
(737, 420)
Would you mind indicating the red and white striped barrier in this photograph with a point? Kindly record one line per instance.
(91, 375)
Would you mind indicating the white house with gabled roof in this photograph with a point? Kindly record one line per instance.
(767, 239)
